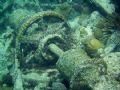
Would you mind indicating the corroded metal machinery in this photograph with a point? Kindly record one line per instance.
(83, 72)
(38, 32)
(46, 39)
(77, 67)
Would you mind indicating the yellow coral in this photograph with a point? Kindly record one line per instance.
(94, 44)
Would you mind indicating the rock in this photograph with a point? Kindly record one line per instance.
(18, 15)
(113, 63)
(105, 5)
(18, 83)
(58, 86)
(107, 83)
(112, 42)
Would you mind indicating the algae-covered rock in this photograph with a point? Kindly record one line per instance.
(92, 20)
(58, 86)
(107, 83)
(3, 66)
(5, 4)
(106, 5)
(113, 42)
(64, 9)
(6, 88)
(113, 63)
(18, 15)
(85, 76)
(5, 52)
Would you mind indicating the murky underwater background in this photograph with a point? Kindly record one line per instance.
(59, 45)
